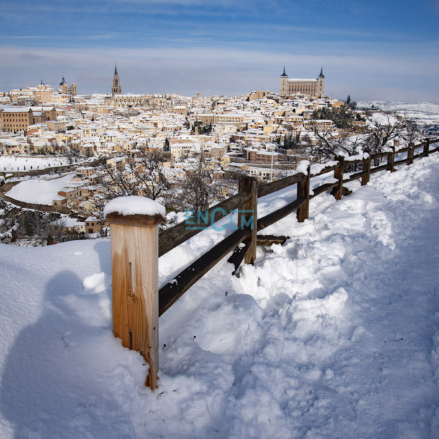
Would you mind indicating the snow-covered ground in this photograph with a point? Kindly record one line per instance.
(421, 112)
(17, 163)
(333, 335)
(39, 190)
(27, 163)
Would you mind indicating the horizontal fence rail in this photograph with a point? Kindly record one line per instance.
(278, 185)
(178, 234)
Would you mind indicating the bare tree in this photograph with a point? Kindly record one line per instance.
(382, 130)
(380, 133)
(199, 189)
(333, 141)
(284, 171)
(412, 133)
(142, 175)
(56, 228)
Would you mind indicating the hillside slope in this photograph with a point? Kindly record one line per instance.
(332, 335)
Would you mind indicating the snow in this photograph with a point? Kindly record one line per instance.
(382, 119)
(333, 334)
(39, 191)
(134, 205)
(361, 156)
(319, 167)
(421, 112)
(14, 163)
(316, 168)
(302, 167)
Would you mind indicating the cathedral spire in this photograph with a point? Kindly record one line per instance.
(116, 89)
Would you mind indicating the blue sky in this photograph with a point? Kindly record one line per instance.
(383, 50)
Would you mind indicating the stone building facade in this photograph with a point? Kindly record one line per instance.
(66, 90)
(309, 87)
(43, 93)
(16, 119)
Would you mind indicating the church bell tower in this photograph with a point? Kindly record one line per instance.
(116, 89)
(283, 84)
(321, 84)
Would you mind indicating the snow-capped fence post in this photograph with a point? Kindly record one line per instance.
(426, 151)
(303, 192)
(338, 174)
(251, 206)
(410, 154)
(391, 160)
(366, 168)
(134, 261)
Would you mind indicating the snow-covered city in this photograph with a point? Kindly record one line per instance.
(197, 242)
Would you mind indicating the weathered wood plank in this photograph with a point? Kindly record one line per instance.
(248, 219)
(271, 239)
(338, 174)
(427, 146)
(173, 237)
(380, 155)
(410, 154)
(323, 188)
(271, 218)
(367, 163)
(346, 191)
(348, 162)
(303, 192)
(262, 240)
(326, 170)
(278, 185)
(173, 290)
(238, 255)
(134, 255)
(391, 161)
(378, 169)
(401, 162)
(402, 150)
(355, 176)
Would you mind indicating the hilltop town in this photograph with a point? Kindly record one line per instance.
(65, 155)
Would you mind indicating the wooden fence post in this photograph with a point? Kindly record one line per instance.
(303, 192)
(338, 174)
(249, 184)
(391, 160)
(410, 154)
(366, 167)
(426, 151)
(134, 261)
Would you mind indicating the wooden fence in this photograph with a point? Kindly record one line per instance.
(137, 302)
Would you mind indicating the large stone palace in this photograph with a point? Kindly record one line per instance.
(309, 87)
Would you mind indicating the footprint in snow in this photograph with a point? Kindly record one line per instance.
(67, 343)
